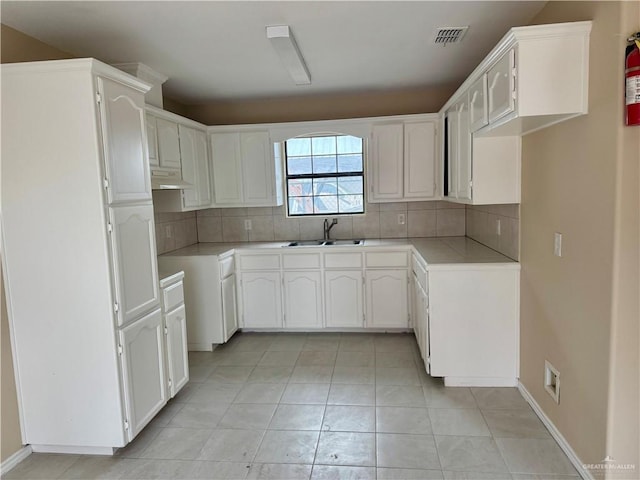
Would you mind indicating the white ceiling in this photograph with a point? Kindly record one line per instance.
(213, 50)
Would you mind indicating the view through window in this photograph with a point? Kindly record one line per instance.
(324, 175)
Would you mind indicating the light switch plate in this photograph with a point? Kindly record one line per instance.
(557, 244)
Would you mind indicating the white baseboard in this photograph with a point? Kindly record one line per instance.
(70, 449)
(11, 462)
(480, 382)
(555, 433)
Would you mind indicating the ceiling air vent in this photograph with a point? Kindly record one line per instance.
(447, 35)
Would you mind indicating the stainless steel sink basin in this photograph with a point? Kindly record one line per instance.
(324, 243)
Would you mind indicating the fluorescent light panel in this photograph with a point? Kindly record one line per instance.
(285, 45)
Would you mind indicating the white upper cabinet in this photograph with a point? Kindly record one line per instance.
(387, 162)
(256, 152)
(226, 163)
(134, 261)
(195, 167)
(501, 87)
(168, 144)
(459, 152)
(124, 134)
(535, 77)
(244, 170)
(419, 160)
(478, 114)
(403, 161)
(152, 140)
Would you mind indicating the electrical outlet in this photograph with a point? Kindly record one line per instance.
(247, 224)
(498, 227)
(557, 244)
(552, 381)
(168, 233)
(401, 219)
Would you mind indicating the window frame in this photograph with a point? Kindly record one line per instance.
(359, 173)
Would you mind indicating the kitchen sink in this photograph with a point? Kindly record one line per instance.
(324, 243)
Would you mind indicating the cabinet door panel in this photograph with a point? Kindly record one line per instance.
(303, 299)
(257, 168)
(188, 156)
(202, 165)
(343, 298)
(176, 333)
(387, 161)
(419, 160)
(125, 142)
(501, 87)
(134, 261)
(478, 116)
(229, 308)
(152, 140)
(386, 294)
(261, 299)
(453, 149)
(143, 370)
(227, 167)
(464, 152)
(168, 144)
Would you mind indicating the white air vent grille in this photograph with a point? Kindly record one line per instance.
(446, 35)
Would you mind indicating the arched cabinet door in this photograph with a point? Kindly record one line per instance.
(144, 378)
(343, 293)
(386, 294)
(303, 299)
(124, 140)
(261, 299)
(134, 261)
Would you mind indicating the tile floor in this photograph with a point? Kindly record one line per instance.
(325, 406)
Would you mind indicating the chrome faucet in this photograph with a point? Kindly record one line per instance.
(327, 228)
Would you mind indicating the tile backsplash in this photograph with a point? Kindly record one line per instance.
(175, 230)
(482, 226)
(421, 219)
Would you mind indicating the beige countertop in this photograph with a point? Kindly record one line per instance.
(434, 250)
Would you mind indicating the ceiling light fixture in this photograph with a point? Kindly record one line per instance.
(285, 45)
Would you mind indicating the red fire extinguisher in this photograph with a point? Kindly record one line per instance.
(632, 79)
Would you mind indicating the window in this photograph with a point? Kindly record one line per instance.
(324, 175)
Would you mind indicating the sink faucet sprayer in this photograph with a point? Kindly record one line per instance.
(327, 227)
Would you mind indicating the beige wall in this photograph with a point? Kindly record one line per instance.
(15, 46)
(623, 438)
(11, 439)
(572, 184)
(322, 107)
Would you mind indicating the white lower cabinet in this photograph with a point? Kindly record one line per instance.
(177, 357)
(343, 298)
(473, 324)
(303, 299)
(209, 297)
(229, 306)
(261, 299)
(142, 351)
(386, 298)
(420, 320)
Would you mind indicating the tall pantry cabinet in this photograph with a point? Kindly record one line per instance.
(80, 255)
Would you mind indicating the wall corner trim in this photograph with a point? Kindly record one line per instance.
(555, 433)
(11, 462)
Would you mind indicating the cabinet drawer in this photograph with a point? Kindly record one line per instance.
(172, 296)
(420, 272)
(260, 262)
(301, 260)
(386, 259)
(343, 260)
(227, 266)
